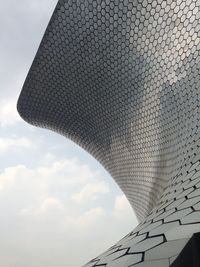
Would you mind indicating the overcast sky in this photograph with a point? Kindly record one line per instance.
(58, 206)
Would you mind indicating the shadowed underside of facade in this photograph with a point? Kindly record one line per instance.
(121, 79)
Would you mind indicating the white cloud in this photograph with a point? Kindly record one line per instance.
(122, 209)
(121, 204)
(9, 176)
(11, 143)
(50, 202)
(86, 220)
(48, 205)
(63, 173)
(38, 201)
(69, 171)
(90, 192)
(49, 157)
(8, 113)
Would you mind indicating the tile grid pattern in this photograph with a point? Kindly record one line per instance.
(121, 79)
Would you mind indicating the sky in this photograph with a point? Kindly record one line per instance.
(58, 206)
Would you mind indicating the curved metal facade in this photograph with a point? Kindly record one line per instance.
(121, 78)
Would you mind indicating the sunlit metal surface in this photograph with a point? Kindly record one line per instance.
(121, 79)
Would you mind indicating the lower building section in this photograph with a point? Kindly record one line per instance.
(190, 255)
(159, 239)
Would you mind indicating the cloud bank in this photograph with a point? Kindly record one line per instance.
(51, 210)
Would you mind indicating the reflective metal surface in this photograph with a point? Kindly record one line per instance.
(121, 79)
